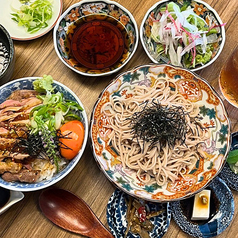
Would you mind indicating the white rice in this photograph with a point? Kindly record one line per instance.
(46, 168)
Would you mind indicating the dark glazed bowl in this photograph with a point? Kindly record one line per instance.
(7, 41)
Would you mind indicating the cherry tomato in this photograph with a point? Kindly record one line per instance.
(73, 135)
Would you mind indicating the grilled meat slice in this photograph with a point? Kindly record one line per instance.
(14, 156)
(6, 143)
(10, 103)
(10, 166)
(22, 94)
(24, 175)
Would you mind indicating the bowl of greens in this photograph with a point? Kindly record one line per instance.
(189, 34)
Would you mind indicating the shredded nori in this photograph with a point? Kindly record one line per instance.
(156, 123)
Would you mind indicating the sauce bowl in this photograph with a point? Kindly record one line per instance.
(95, 38)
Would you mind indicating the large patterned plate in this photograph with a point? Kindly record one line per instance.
(214, 120)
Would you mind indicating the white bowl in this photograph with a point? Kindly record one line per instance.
(207, 12)
(83, 9)
(26, 83)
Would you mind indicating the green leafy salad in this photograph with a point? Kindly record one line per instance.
(179, 36)
(33, 15)
(232, 160)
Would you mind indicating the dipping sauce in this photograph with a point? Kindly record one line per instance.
(98, 41)
(229, 78)
(4, 196)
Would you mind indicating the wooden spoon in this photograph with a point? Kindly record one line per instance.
(70, 212)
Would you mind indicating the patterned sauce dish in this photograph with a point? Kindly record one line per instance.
(117, 210)
(26, 83)
(213, 120)
(183, 33)
(221, 212)
(95, 38)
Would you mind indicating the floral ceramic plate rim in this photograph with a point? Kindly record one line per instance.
(19, 33)
(214, 13)
(218, 223)
(82, 9)
(116, 216)
(26, 83)
(126, 180)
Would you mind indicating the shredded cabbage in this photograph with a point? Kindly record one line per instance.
(33, 16)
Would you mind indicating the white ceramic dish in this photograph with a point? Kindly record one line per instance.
(204, 10)
(26, 83)
(19, 33)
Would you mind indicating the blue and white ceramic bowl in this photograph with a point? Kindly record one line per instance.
(26, 83)
(221, 219)
(116, 216)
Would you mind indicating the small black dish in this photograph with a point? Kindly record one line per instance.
(6, 46)
(4, 196)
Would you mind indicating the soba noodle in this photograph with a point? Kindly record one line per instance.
(154, 162)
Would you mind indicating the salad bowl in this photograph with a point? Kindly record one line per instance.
(95, 38)
(213, 118)
(27, 83)
(189, 34)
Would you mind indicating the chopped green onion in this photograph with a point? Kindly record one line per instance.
(34, 16)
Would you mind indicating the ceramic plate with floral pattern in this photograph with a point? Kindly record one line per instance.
(186, 33)
(19, 32)
(102, 12)
(213, 119)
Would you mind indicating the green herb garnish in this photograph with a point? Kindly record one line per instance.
(232, 157)
(34, 16)
(47, 118)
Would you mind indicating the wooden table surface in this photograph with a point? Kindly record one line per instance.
(38, 57)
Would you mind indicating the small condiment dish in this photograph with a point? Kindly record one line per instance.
(95, 38)
(188, 34)
(7, 56)
(9, 198)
